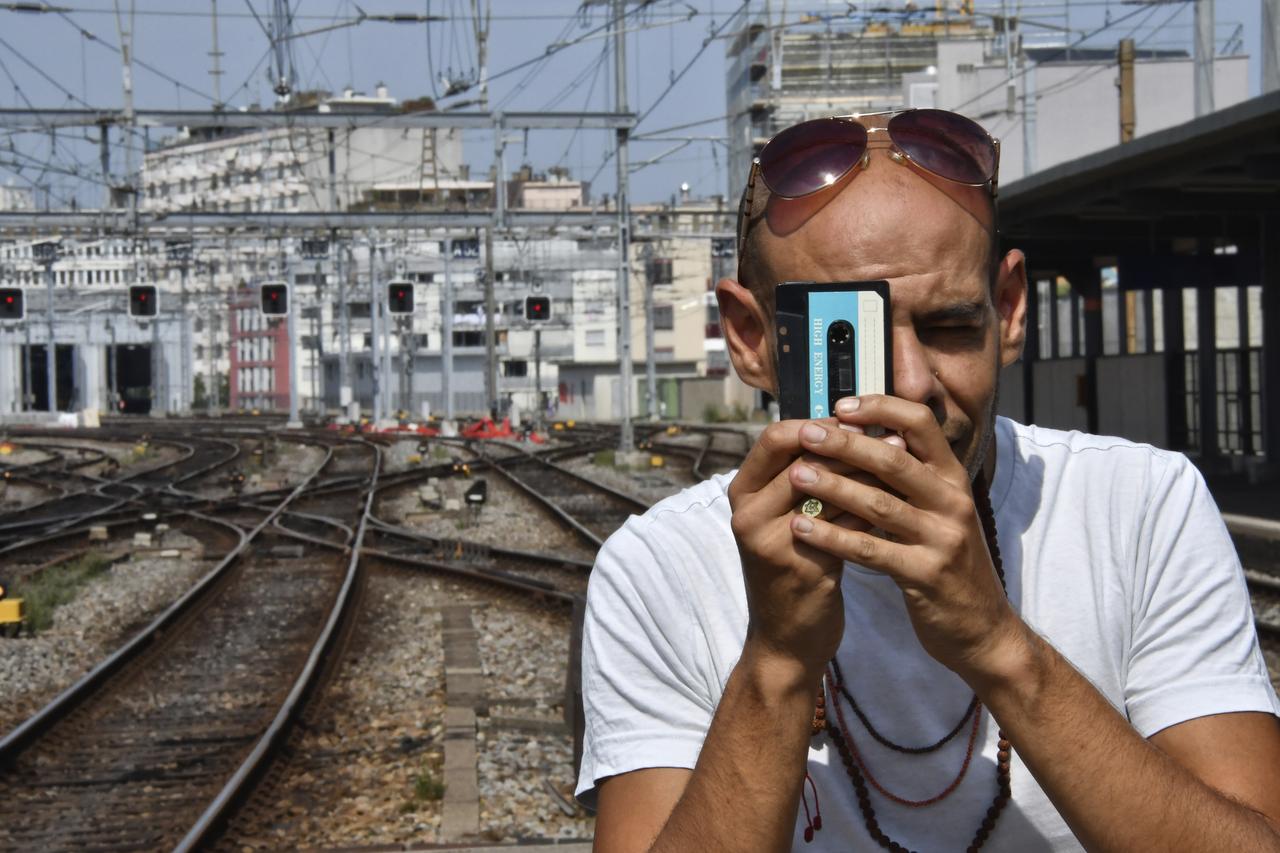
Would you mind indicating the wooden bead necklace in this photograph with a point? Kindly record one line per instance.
(884, 741)
(847, 740)
(856, 767)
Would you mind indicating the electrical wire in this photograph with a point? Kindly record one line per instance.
(1024, 71)
(715, 33)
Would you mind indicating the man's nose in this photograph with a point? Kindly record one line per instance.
(913, 372)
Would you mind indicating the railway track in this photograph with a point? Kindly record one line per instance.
(159, 744)
(142, 749)
(592, 509)
(92, 498)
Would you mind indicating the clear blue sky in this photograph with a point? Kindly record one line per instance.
(54, 60)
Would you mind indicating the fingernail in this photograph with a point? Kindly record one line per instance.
(803, 524)
(895, 440)
(812, 433)
(848, 405)
(852, 428)
(805, 474)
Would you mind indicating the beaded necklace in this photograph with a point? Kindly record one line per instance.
(854, 765)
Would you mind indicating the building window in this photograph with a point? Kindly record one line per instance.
(595, 337)
(659, 270)
(664, 318)
(468, 339)
(515, 368)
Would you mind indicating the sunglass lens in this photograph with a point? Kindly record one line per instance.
(811, 155)
(945, 143)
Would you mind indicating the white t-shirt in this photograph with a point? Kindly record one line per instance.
(1113, 551)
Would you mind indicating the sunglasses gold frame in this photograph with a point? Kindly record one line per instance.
(896, 154)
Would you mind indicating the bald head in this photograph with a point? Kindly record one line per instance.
(868, 226)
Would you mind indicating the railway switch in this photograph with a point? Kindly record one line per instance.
(144, 300)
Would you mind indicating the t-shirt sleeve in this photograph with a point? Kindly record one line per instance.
(642, 700)
(1194, 649)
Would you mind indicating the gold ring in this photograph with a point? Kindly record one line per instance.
(811, 507)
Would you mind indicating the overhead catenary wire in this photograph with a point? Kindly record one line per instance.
(1024, 71)
(678, 77)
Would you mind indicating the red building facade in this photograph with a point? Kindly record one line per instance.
(259, 355)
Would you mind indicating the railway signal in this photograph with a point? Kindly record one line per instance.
(144, 300)
(537, 308)
(477, 494)
(275, 299)
(400, 297)
(12, 305)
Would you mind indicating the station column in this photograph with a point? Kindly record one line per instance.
(1270, 279)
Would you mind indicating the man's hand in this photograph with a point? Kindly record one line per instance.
(793, 589)
(934, 546)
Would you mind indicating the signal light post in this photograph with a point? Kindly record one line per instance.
(537, 309)
(47, 254)
(274, 299)
(291, 324)
(144, 304)
(13, 310)
(12, 305)
(143, 300)
(180, 252)
(400, 297)
(400, 307)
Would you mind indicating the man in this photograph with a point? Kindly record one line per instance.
(1113, 698)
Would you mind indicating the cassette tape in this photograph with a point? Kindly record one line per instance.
(833, 341)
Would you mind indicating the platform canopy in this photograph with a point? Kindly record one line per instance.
(1172, 193)
(1196, 205)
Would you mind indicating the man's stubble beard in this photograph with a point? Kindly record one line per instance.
(979, 456)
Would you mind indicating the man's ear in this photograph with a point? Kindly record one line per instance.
(746, 332)
(1011, 305)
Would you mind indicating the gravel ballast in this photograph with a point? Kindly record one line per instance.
(105, 612)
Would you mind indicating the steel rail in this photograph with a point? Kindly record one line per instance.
(237, 785)
(506, 579)
(56, 523)
(578, 527)
(74, 696)
(388, 529)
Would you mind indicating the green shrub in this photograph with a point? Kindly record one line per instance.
(427, 787)
(54, 587)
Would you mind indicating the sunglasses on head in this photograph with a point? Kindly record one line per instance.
(813, 155)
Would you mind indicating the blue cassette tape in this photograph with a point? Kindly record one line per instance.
(833, 341)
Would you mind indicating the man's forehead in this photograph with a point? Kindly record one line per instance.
(892, 224)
